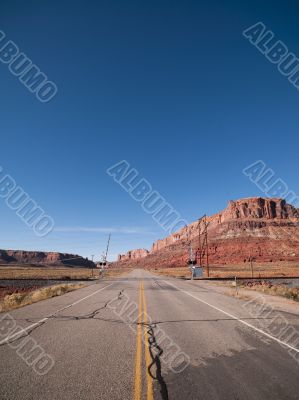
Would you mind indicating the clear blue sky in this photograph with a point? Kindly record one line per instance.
(170, 86)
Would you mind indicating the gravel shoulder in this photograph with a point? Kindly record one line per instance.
(276, 302)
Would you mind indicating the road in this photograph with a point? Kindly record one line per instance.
(143, 336)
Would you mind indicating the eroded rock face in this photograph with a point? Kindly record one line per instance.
(258, 207)
(36, 257)
(266, 228)
(133, 255)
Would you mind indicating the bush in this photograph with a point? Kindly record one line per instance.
(16, 300)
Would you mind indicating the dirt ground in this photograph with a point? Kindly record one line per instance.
(276, 301)
(21, 272)
(241, 271)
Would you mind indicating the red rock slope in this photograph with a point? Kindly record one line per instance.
(266, 228)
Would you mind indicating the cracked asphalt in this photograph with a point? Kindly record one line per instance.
(142, 336)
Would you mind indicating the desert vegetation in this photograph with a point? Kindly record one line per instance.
(64, 273)
(291, 293)
(267, 270)
(25, 297)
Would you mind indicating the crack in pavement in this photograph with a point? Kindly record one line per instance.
(56, 316)
(153, 345)
(91, 315)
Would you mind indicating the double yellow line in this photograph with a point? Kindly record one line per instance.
(142, 334)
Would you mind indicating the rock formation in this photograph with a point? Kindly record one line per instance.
(43, 258)
(133, 255)
(265, 228)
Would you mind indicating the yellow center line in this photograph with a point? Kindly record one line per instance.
(148, 358)
(138, 356)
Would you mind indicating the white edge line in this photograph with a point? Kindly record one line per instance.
(237, 319)
(46, 318)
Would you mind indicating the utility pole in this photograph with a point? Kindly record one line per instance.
(104, 257)
(107, 248)
(199, 241)
(207, 246)
(92, 265)
(203, 245)
(191, 260)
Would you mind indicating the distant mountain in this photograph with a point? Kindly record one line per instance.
(43, 258)
(265, 228)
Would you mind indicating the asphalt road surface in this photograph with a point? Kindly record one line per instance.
(143, 336)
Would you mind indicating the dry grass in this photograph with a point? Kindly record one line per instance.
(264, 286)
(241, 271)
(17, 300)
(115, 272)
(45, 273)
(18, 272)
(268, 270)
(275, 290)
(174, 272)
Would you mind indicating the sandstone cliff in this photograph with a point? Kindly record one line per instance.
(133, 255)
(268, 229)
(42, 258)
